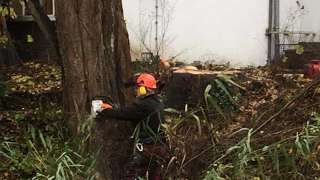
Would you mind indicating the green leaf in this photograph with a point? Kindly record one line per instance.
(171, 110)
(206, 94)
(33, 133)
(29, 39)
(19, 116)
(225, 90)
(140, 178)
(285, 59)
(299, 49)
(230, 81)
(265, 148)
(43, 141)
(212, 175)
(198, 123)
(233, 148)
(186, 108)
(3, 39)
(214, 103)
(299, 145)
(248, 141)
(12, 13)
(4, 11)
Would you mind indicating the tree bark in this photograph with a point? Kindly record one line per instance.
(94, 47)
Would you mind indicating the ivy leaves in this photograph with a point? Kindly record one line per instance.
(8, 11)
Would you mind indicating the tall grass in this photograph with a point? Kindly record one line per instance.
(192, 132)
(47, 151)
(221, 96)
(295, 157)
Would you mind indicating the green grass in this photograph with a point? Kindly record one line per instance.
(46, 150)
(295, 157)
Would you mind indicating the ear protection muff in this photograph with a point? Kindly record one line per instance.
(142, 90)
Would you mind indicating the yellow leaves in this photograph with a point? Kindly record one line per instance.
(261, 158)
(36, 78)
(47, 89)
(12, 13)
(29, 39)
(32, 65)
(37, 66)
(299, 49)
(8, 11)
(4, 11)
(284, 59)
(3, 39)
(20, 78)
(31, 83)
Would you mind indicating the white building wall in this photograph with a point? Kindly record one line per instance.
(229, 30)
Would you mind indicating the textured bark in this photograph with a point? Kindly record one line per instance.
(94, 46)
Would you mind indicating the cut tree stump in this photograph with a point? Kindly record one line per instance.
(187, 86)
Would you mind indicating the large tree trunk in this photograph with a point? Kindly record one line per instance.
(95, 52)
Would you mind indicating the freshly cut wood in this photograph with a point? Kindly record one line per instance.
(203, 72)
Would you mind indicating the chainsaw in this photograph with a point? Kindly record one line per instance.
(99, 103)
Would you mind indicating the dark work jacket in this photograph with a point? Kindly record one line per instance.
(145, 111)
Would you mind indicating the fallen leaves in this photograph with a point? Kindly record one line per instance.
(35, 78)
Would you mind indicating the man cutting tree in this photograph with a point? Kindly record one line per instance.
(146, 113)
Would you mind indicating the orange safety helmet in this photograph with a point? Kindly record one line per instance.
(147, 80)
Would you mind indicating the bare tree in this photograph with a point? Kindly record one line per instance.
(147, 31)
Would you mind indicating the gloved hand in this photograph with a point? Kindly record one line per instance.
(100, 115)
(106, 106)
